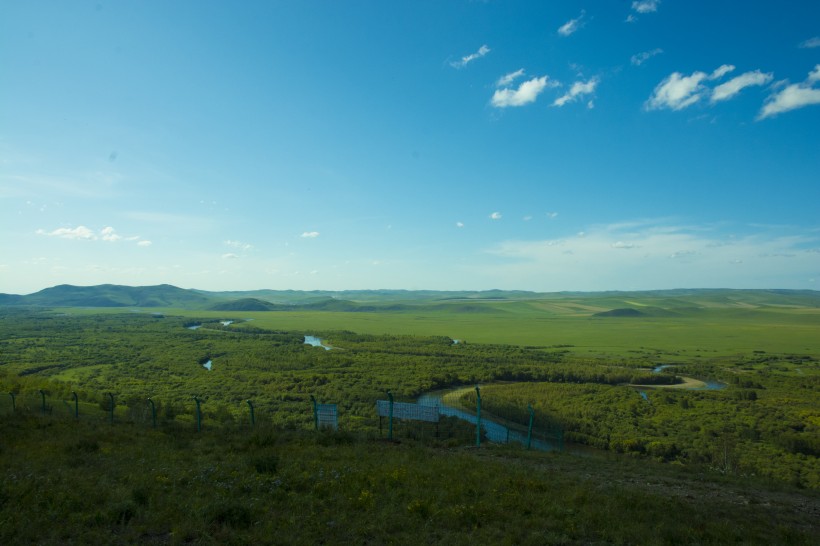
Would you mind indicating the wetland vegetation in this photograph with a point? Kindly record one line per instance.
(757, 440)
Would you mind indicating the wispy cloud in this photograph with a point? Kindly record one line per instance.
(79, 232)
(230, 256)
(639, 58)
(734, 86)
(144, 243)
(238, 244)
(108, 234)
(467, 59)
(721, 71)
(459, 224)
(507, 79)
(794, 96)
(810, 43)
(526, 93)
(578, 90)
(645, 6)
(573, 25)
(677, 91)
(653, 255)
(495, 216)
(310, 234)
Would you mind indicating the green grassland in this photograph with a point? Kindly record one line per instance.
(571, 357)
(80, 483)
(684, 326)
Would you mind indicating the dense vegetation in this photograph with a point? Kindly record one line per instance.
(763, 428)
(80, 483)
(768, 430)
(137, 355)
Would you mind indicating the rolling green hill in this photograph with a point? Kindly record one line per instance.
(654, 303)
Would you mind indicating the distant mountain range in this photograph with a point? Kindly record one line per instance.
(167, 296)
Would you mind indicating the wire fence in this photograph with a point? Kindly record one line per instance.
(429, 419)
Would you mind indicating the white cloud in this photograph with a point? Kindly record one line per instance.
(144, 243)
(79, 232)
(230, 256)
(526, 93)
(794, 96)
(507, 79)
(310, 234)
(631, 19)
(639, 58)
(645, 6)
(721, 71)
(810, 43)
(467, 59)
(552, 214)
(238, 244)
(677, 91)
(572, 26)
(578, 89)
(495, 216)
(108, 234)
(621, 244)
(459, 224)
(734, 86)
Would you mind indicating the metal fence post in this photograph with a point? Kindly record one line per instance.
(315, 415)
(253, 419)
(198, 415)
(111, 396)
(153, 413)
(529, 429)
(478, 417)
(390, 417)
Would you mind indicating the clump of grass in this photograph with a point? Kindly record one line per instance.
(85, 445)
(265, 463)
(122, 512)
(230, 513)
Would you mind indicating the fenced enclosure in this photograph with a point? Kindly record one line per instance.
(431, 418)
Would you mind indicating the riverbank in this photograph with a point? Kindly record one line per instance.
(687, 383)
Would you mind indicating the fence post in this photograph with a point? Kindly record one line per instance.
(76, 405)
(253, 419)
(198, 415)
(390, 417)
(13, 403)
(315, 415)
(478, 417)
(111, 396)
(529, 429)
(43, 395)
(153, 412)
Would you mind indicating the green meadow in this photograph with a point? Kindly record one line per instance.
(686, 326)
(662, 463)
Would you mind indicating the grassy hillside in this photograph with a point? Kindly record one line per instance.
(127, 483)
(82, 483)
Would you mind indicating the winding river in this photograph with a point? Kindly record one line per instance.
(493, 430)
(316, 342)
(497, 432)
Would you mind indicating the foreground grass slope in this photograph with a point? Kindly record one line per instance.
(86, 483)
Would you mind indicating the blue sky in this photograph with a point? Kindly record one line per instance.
(548, 146)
